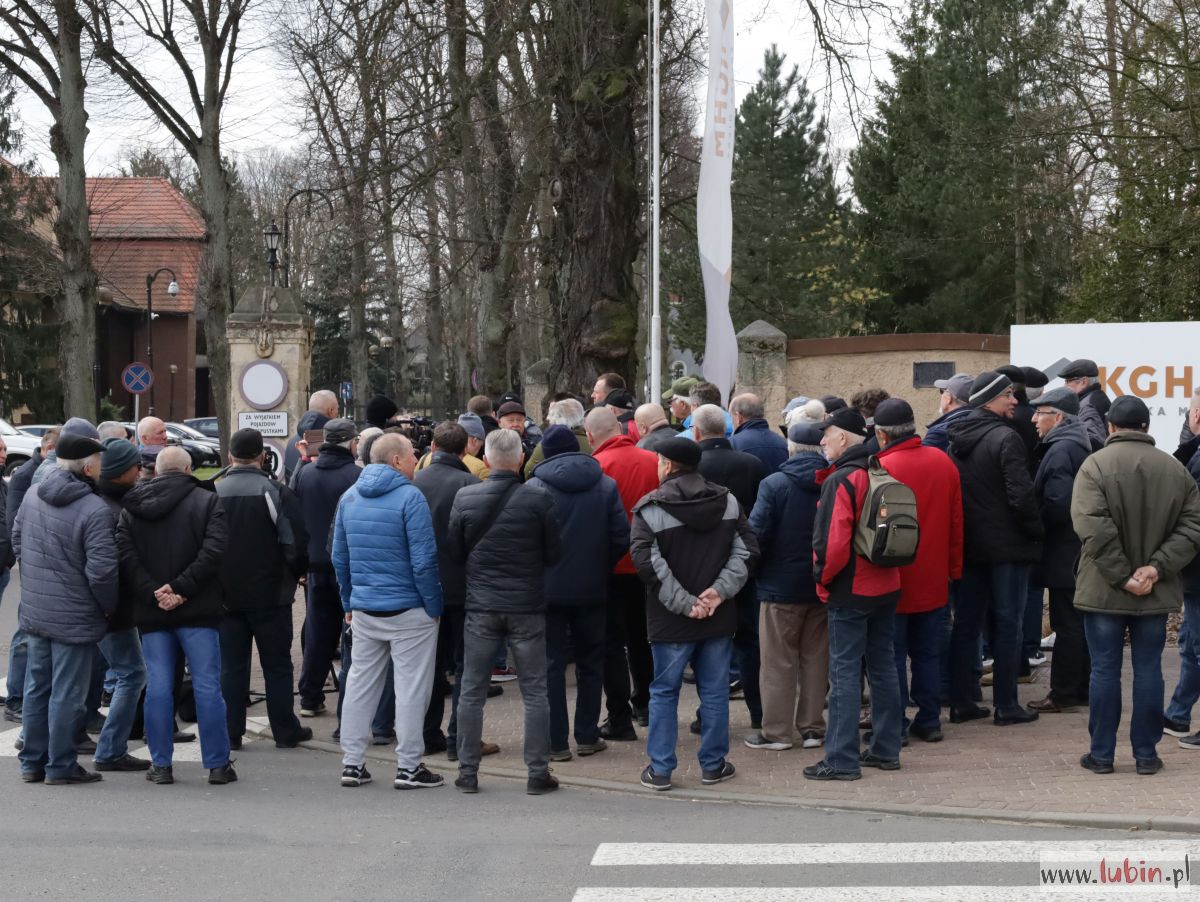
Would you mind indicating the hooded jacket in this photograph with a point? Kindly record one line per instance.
(736, 470)
(439, 482)
(1002, 523)
(938, 433)
(506, 567)
(63, 537)
(1062, 453)
(1133, 505)
(319, 487)
(384, 550)
(173, 532)
(539, 454)
(18, 485)
(758, 438)
(844, 578)
(925, 583)
(782, 520)
(291, 455)
(593, 524)
(635, 472)
(690, 535)
(268, 543)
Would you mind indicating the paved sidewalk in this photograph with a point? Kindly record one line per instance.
(1027, 773)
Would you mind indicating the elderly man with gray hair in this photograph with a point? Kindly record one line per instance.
(567, 412)
(63, 537)
(754, 435)
(504, 534)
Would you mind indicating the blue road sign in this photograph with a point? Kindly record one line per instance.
(137, 378)
(347, 391)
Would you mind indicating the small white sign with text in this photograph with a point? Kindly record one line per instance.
(269, 422)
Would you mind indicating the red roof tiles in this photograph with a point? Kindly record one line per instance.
(141, 208)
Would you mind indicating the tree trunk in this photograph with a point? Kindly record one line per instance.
(68, 135)
(359, 372)
(433, 310)
(398, 357)
(216, 289)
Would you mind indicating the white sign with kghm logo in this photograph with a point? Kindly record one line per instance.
(1157, 362)
(271, 423)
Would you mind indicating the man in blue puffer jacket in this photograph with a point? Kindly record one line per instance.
(385, 558)
(595, 535)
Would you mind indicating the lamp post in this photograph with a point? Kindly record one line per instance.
(173, 369)
(307, 193)
(271, 236)
(173, 291)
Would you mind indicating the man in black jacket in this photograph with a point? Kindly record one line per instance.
(318, 488)
(18, 485)
(439, 482)
(692, 545)
(171, 537)
(267, 555)
(1083, 377)
(1002, 531)
(120, 467)
(504, 535)
(322, 407)
(741, 473)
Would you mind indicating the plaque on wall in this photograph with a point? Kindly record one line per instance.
(263, 384)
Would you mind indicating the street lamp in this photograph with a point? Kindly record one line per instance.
(271, 236)
(173, 291)
(174, 369)
(308, 194)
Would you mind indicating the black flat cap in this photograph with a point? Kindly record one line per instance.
(894, 412)
(681, 451)
(1079, 368)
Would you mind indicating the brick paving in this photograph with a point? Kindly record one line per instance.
(1031, 768)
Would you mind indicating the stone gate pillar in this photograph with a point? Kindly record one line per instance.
(762, 366)
(270, 357)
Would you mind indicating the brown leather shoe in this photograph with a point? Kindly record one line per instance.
(1048, 705)
(488, 748)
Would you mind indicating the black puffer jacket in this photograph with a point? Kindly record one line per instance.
(439, 483)
(1062, 453)
(1001, 520)
(506, 567)
(319, 487)
(735, 470)
(172, 532)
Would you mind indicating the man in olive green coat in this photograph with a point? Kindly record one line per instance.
(1137, 512)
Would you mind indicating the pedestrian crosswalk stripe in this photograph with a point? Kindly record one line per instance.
(840, 893)
(723, 854)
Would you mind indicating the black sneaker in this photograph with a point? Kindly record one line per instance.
(963, 715)
(378, 739)
(494, 690)
(618, 733)
(219, 776)
(641, 715)
(77, 776)
(420, 777)
(1190, 742)
(541, 784)
(235, 743)
(560, 755)
(105, 699)
(822, 771)
(725, 772)
(304, 734)
(468, 783)
(737, 689)
(1148, 766)
(651, 780)
(759, 741)
(926, 734)
(13, 715)
(694, 727)
(435, 745)
(868, 759)
(33, 776)
(126, 763)
(1097, 767)
(355, 775)
(1014, 716)
(587, 749)
(160, 775)
(313, 709)
(85, 745)
(1175, 727)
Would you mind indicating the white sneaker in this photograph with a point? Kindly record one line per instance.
(812, 741)
(987, 665)
(1048, 642)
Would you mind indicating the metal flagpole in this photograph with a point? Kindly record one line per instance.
(655, 204)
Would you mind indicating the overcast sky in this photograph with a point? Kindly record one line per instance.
(259, 113)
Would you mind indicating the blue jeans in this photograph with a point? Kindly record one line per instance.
(1001, 589)
(710, 664)
(919, 639)
(123, 652)
(1187, 692)
(853, 635)
(56, 686)
(18, 657)
(202, 648)
(1106, 644)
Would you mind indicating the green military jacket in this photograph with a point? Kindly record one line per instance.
(1133, 505)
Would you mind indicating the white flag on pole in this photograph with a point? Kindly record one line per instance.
(714, 211)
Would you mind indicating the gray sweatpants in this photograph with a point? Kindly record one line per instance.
(410, 640)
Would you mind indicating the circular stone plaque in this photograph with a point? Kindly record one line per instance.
(263, 384)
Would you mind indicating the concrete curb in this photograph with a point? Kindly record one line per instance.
(1138, 822)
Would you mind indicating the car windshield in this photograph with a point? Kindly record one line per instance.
(6, 428)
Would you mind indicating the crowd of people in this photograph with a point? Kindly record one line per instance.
(844, 576)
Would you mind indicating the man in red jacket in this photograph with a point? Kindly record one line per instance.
(922, 624)
(862, 610)
(635, 472)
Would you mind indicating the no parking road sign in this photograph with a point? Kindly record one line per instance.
(137, 378)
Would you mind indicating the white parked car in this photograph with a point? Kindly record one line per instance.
(21, 445)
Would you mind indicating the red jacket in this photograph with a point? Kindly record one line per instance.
(933, 477)
(635, 472)
(845, 579)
